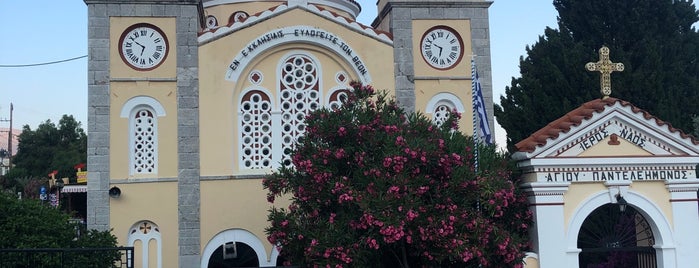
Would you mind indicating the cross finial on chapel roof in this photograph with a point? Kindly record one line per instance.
(605, 67)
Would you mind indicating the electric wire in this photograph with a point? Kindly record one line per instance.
(39, 64)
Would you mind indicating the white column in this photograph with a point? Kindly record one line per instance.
(548, 231)
(685, 219)
(277, 151)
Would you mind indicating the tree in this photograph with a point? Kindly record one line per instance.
(654, 39)
(50, 148)
(373, 187)
(28, 223)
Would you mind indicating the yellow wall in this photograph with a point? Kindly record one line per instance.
(155, 202)
(127, 83)
(426, 89)
(218, 97)
(240, 203)
(625, 148)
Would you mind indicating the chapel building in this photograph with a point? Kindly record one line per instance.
(611, 185)
(192, 102)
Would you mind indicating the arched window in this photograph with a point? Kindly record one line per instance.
(142, 113)
(255, 119)
(441, 105)
(299, 94)
(145, 236)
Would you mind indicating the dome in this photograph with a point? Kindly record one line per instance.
(349, 6)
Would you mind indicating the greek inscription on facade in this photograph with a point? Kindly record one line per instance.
(593, 139)
(562, 176)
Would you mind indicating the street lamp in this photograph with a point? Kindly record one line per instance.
(621, 202)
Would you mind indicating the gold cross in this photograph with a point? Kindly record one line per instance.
(145, 228)
(605, 67)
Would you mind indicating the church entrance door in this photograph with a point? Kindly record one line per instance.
(233, 254)
(611, 238)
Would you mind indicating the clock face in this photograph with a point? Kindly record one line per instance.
(442, 47)
(143, 46)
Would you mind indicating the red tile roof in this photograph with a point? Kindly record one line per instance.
(575, 117)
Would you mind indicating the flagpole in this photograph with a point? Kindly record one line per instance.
(474, 112)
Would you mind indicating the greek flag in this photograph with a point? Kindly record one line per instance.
(480, 116)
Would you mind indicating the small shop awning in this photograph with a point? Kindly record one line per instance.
(74, 189)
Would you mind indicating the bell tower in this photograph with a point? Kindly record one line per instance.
(434, 42)
(143, 54)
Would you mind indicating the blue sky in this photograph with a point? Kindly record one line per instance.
(48, 30)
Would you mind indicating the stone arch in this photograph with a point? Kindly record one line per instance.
(239, 235)
(662, 231)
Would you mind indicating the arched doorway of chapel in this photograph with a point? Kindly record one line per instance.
(616, 236)
(233, 254)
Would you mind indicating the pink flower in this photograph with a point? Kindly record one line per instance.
(400, 141)
(387, 162)
(393, 189)
(342, 132)
(340, 153)
(411, 215)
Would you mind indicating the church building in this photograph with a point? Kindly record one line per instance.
(192, 102)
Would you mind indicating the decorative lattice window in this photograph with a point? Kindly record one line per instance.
(441, 114)
(256, 125)
(300, 94)
(144, 142)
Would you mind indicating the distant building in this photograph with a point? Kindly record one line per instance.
(4, 157)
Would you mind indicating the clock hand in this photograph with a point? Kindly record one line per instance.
(144, 47)
(440, 49)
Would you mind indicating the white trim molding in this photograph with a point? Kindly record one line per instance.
(134, 102)
(447, 98)
(243, 236)
(662, 231)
